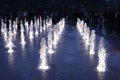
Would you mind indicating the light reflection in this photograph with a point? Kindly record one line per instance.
(11, 59)
(91, 57)
(44, 75)
(50, 58)
(23, 55)
(31, 42)
(101, 75)
(23, 47)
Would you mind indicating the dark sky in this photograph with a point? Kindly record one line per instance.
(29, 4)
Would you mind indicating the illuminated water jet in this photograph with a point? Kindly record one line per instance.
(85, 31)
(40, 24)
(36, 24)
(55, 39)
(2, 25)
(10, 44)
(101, 67)
(26, 26)
(5, 35)
(43, 55)
(92, 42)
(22, 34)
(31, 30)
(50, 43)
(80, 26)
(14, 28)
(10, 25)
(87, 41)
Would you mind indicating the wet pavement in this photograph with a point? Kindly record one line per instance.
(71, 61)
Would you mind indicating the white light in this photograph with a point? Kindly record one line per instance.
(50, 51)
(10, 50)
(44, 67)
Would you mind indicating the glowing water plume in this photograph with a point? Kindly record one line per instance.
(84, 31)
(10, 43)
(38, 22)
(50, 22)
(80, 26)
(50, 42)
(46, 23)
(36, 32)
(92, 42)
(57, 31)
(26, 25)
(101, 67)
(61, 24)
(43, 55)
(5, 35)
(78, 23)
(55, 36)
(36, 25)
(16, 23)
(22, 34)
(10, 25)
(14, 28)
(40, 26)
(31, 30)
(87, 36)
(2, 25)
(23, 48)
(10, 39)
(41, 29)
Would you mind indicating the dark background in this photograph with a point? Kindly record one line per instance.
(13, 5)
(71, 9)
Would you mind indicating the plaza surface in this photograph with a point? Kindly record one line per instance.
(71, 60)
